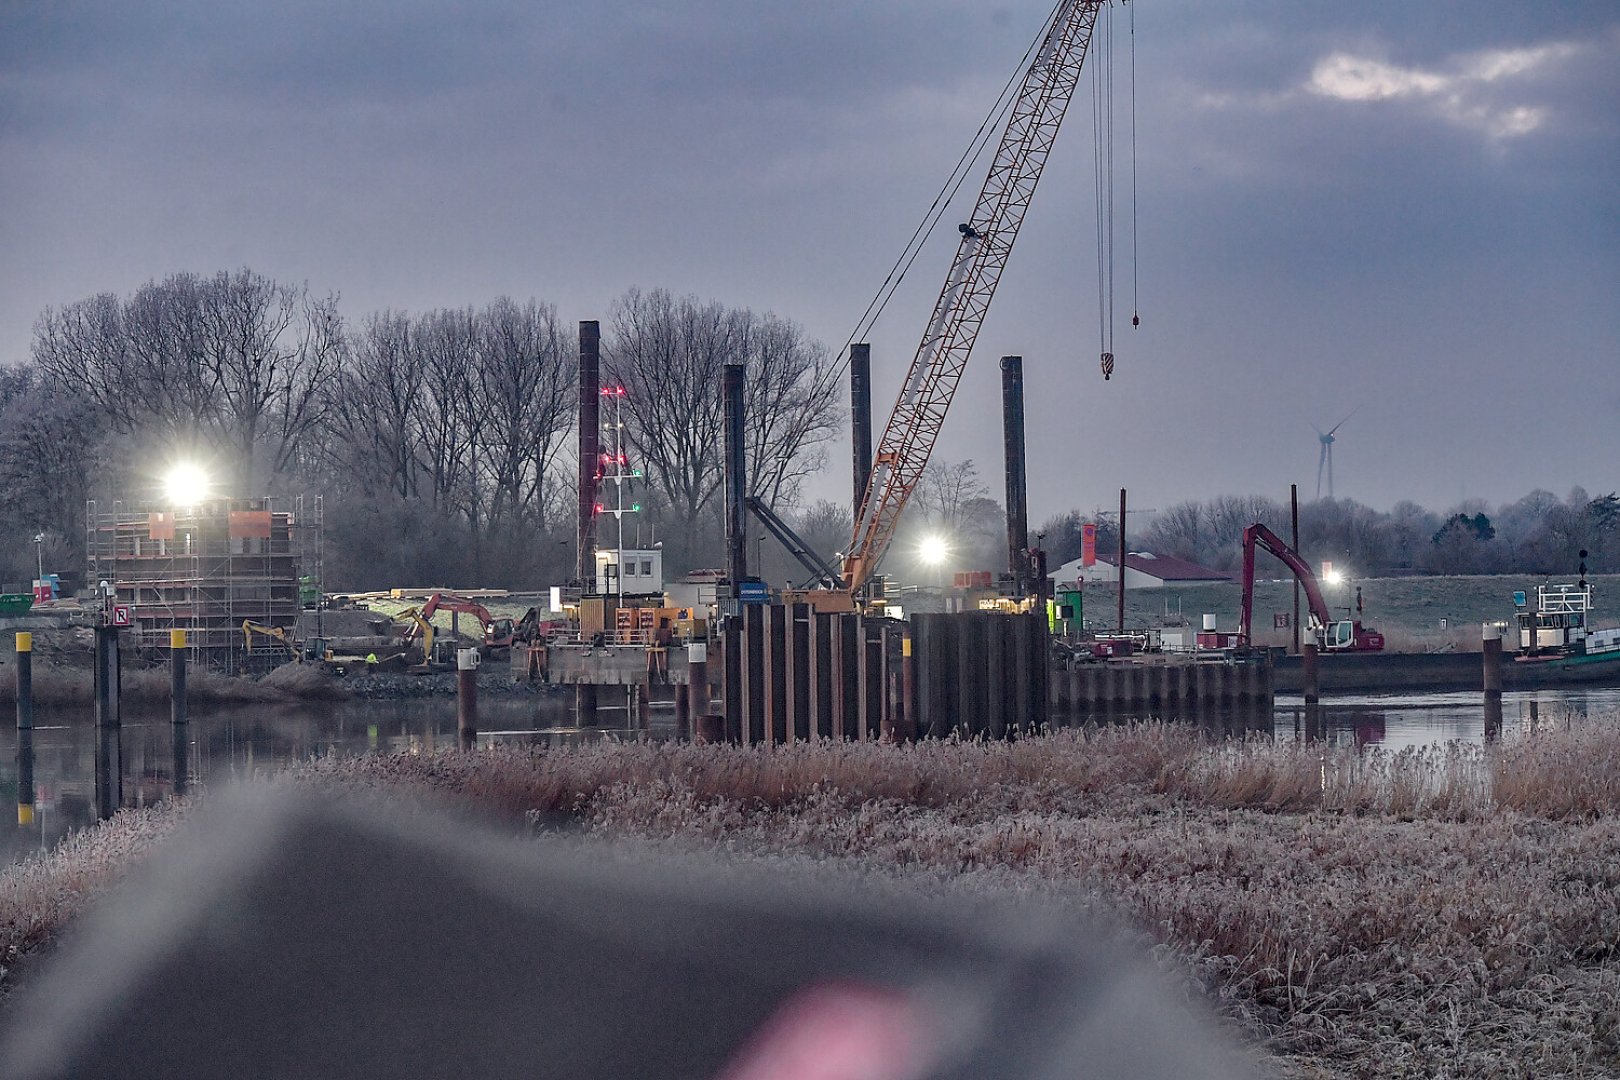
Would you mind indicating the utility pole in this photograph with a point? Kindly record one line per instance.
(1122, 560)
(1293, 502)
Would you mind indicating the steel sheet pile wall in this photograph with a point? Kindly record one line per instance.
(1159, 685)
(980, 674)
(788, 672)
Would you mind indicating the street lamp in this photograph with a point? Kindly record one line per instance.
(39, 554)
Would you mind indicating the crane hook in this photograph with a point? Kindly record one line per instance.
(1107, 366)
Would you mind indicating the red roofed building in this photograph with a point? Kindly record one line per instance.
(1143, 570)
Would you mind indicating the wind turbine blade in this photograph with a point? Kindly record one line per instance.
(1341, 423)
(1321, 460)
(1330, 466)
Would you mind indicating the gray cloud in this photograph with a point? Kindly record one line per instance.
(1407, 207)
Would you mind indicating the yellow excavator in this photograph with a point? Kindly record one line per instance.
(423, 630)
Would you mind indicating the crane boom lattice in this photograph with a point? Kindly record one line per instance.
(981, 256)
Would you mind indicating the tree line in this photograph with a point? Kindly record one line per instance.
(442, 439)
(1537, 534)
(444, 443)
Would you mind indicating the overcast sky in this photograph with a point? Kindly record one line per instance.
(1411, 210)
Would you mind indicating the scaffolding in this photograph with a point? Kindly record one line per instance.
(207, 569)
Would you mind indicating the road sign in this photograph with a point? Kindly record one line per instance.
(122, 615)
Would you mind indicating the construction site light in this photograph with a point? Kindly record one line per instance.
(185, 484)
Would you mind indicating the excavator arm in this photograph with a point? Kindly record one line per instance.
(1258, 534)
(981, 256)
(423, 629)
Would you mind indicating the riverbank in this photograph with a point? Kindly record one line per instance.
(290, 683)
(1449, 911)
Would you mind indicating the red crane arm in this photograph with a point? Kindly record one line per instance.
(987, 240)
(1264, 537)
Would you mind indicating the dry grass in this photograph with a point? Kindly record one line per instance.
(1445, 912)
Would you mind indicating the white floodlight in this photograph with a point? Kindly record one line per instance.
(1333, 577)
(185, 485)
(934, 550)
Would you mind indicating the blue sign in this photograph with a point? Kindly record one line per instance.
(753, 592)
(1519, 599)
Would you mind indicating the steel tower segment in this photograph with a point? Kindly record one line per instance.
(987, 240)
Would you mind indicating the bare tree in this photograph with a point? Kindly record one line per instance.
(373, 410)
(670, 355)
(449, 422)
(524, 384)
(946, 491)
(49, 448)
(234, 365)
(791, 407)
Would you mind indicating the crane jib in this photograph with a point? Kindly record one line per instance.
(987, 240)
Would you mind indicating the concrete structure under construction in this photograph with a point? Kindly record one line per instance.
(207, 569)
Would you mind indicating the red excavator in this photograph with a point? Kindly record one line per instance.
(497, 632)
(1342, 635)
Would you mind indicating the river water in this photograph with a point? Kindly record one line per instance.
(227, 744)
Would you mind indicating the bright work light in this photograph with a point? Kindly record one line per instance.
(185, 485)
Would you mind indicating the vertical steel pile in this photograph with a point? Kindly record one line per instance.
(736, 473)
(860, 427)
(1012, 428)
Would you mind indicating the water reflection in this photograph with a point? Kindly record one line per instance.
(65, 772)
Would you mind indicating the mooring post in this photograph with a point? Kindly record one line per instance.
(25, 776)
(178, 738)
(25, 681)
(25, 728)
(697, 687)
(108, 671)
(1535, 716)
(1491, 636)
(1307, 656)
(177, 676)
(467, 697)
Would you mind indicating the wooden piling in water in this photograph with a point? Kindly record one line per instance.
(1308, 662)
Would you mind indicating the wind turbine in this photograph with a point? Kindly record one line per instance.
(1326, 438)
